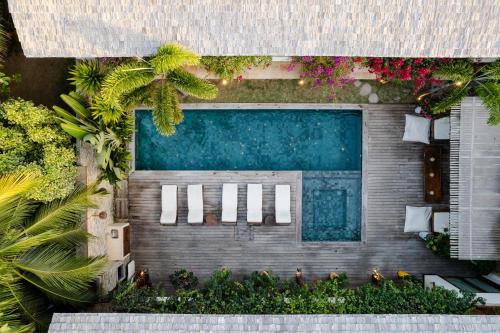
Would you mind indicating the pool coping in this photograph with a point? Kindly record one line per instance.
(288, 106)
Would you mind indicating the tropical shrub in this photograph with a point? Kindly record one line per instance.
(182, 279)
(109, 141)
(329, 73)
(264, 293)
(461, 78)
(31, 140)
(232, 67)
(154, 82)
(439, 243)
(418, 70)
(39, 267)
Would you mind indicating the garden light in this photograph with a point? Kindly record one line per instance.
(224, 82)
(302, 82)
(459, 83)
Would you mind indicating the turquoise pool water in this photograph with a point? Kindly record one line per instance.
(325, 144)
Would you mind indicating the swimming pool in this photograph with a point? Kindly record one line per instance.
(325, 144)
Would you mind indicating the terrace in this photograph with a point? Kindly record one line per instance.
(392, 178)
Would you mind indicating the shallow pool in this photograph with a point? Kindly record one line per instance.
(307, 140)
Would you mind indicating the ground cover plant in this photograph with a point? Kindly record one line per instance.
(39, 265)
(265, 293)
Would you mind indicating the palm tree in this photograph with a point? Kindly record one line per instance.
(153, 82)
(38, 261)
(465, 77)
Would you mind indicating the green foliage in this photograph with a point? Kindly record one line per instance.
(38, 242)
(455, 70)
(31, 140)
(264, 293)
(466, 77)
(110, 141)
(230, 67)
(153, 82)
(445, 103)
(411, 297)
(439, 243)
(183, 279)
(87, 77)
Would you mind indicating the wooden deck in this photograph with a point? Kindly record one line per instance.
(392, 178)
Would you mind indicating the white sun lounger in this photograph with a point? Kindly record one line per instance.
(168, 204)
(254, 203)
(195, 204)
(282, 204)
(229, 203)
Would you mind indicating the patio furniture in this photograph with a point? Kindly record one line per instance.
(195, 204)
(432, 174)
(254, 203)
(229, 203)
(441, 222)
(282, 204)
(441, 129)
(168, 204)
(417, 219)
(417, 129)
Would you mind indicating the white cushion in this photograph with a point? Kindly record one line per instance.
(441, 222)
(195, 204)
(282, 204)
(417, 219)
(417, 129)
(442, 128)
(168, 204)
(254, 203)
(229, 202)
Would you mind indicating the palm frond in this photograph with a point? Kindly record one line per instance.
(452, 98)
(190, 85)
(124, 79)
(14, 185)
(166, 105)
(172, 56)
(492, 71)
(137, 97)
(455, 70)
(107, 112)
(489, 92)
(61, 269)
(15, 213)
(4, 39)
(87, 76)
(60, 214)
(75, 131)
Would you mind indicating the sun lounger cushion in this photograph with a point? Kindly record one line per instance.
(417, 219)
(417, 129)
(282, 204)
(254, 203)
(195, 204)
(168, 204)
(229, 202)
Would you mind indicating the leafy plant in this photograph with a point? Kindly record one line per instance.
(264, 293)
(38, 263)
(153, 82)
(182, 279)
(87, 76)
(232, 67)
(31, 140)
(462, 77)
(110, 142)
(329, 73)
(439, 243)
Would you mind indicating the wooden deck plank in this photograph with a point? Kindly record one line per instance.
(392, 178)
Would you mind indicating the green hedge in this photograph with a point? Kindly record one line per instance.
(264, 293)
